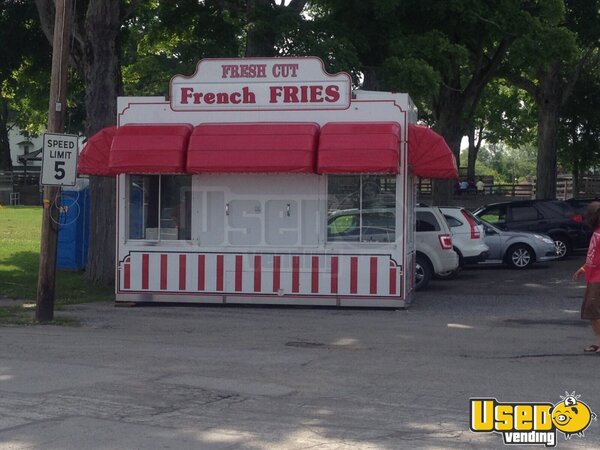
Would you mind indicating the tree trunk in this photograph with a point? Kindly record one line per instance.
(103, 83)
(474, 146)
(456, 107)
(261, 38)
(451, 126)
(546, 158)
(549, 96)
(371, 81)
(576, 178)
(5, 160)
(472, 159)
(261, 23)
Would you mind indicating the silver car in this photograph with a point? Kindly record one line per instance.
(518, 249)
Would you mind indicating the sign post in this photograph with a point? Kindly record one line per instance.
(44, 311)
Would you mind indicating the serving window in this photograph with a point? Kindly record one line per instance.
(159, 207)
(361, 208)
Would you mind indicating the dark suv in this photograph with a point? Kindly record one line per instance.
(555, 218)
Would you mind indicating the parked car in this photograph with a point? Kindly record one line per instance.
(435, 254)
(518, 249)
(467, 237)
(555, 218)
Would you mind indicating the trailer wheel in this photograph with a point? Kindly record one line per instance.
(423, 272)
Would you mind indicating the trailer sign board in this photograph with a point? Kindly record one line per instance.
(265, 84)
(59, 159)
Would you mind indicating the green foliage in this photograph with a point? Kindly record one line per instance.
(422, 48)
(506, 115)
(168, 38)
(414, 75)
(27, 93)
(444, 48)
(482, 169)
(507, 163)
(579, 136)
(534, 52)
(366, 28)
(25, 59)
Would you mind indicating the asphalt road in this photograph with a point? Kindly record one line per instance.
(295, 378)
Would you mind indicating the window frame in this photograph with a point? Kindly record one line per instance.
(360, 209)
(451, 219)
(516, 210)
(499, 208)
(159, 212)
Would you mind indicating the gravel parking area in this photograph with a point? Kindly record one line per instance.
(297, 378)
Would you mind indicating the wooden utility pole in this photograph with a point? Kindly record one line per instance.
(56, 119)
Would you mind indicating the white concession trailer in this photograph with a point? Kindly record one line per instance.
(266, 181)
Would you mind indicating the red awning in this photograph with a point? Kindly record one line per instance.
(428, 154)
(359, 148)
(253, 147)
(93, 159)
(149, 148)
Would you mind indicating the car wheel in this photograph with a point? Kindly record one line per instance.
(423, 272)
(520, 256)
(563, 247)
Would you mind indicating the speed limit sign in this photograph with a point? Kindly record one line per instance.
(59, 159)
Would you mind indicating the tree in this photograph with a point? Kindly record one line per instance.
(169, 38)
(267, 21)
(443, 53)
(96, 54)
(24, 71)
(504, 115)
(462, 44)
(579, 132)
(546, 63)
(365, 31)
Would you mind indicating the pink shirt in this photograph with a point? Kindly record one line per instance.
(592, 262)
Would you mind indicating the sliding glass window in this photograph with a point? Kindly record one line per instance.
(361, 208)
(159, 207)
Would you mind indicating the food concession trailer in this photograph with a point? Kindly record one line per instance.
(266, 181)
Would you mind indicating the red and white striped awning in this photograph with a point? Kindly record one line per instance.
(367, 147)
(253, 147)
(359, 148)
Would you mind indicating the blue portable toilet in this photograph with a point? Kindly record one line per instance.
(74, 226)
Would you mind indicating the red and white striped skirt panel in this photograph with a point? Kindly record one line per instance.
(261, 273)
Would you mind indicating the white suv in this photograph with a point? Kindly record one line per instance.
(435, 254)
(468, 236)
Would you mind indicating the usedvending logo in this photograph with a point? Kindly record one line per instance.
(531, 423)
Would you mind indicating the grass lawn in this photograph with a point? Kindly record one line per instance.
(20, 230)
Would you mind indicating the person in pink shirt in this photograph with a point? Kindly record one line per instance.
(590, 309)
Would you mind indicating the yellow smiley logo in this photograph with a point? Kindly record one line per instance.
(572, 416)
